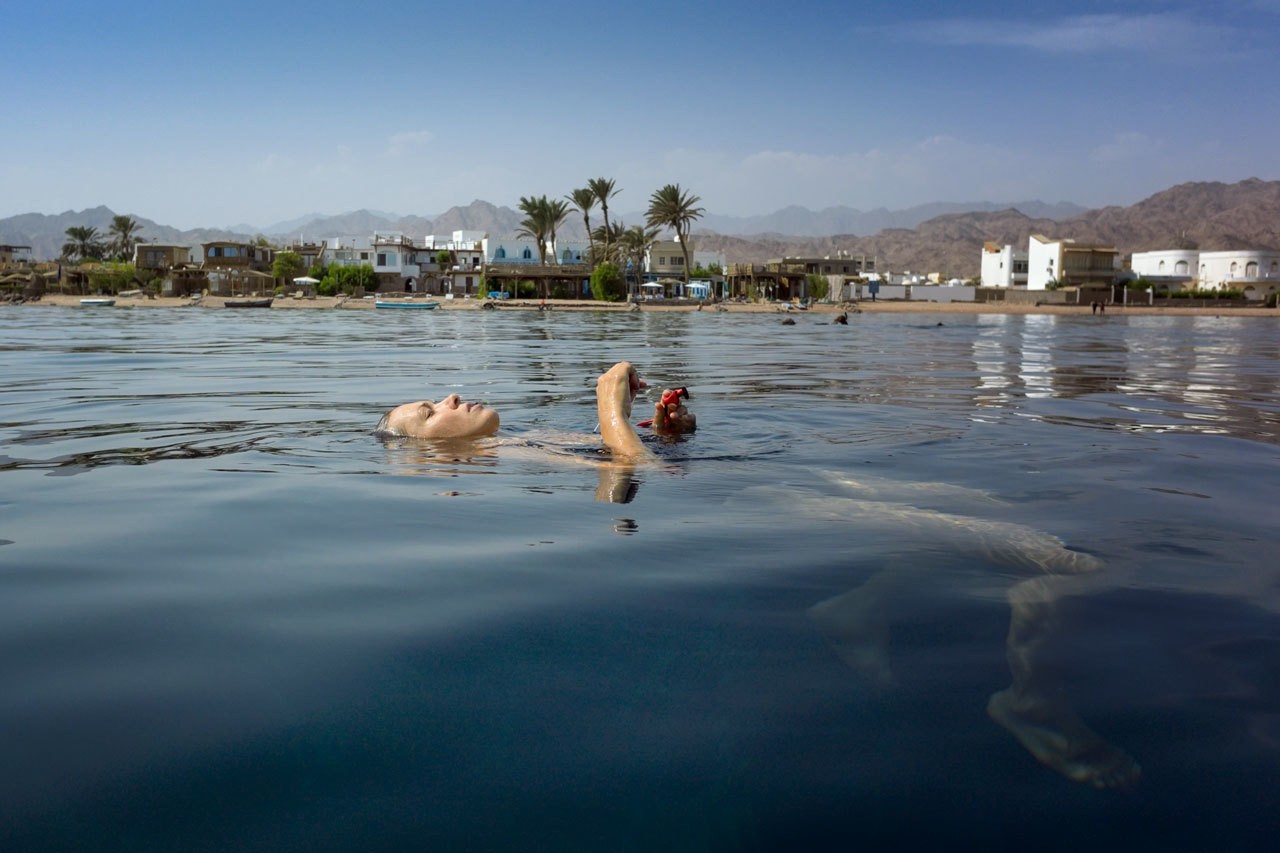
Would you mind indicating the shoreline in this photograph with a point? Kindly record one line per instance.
(288, 303)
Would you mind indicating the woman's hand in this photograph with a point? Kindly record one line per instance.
(670, 417)
(618, 386)
(615, 389)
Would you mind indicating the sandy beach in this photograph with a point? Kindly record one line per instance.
(289, 303)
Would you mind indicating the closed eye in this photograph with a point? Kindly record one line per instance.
(427, 410)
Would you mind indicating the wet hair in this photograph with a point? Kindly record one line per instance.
(383, 429)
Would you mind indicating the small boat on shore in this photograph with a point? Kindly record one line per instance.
(98, 302)
(398, 303)
(248, 303)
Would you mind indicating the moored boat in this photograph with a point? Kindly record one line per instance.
(98, 302)
(248, 303)
(405, 303)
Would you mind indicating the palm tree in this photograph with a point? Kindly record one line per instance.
(674, 208)
(634, 243)
(604, 190)
(124, 231)
(584, 199)
(535, 224)
(82, 243)
(609, 236)
(557, 213)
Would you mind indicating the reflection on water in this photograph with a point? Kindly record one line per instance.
(907, 581)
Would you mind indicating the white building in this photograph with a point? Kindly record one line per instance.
(1003, 266)
(1255, 271)
(1167, 263)
(1069, 262)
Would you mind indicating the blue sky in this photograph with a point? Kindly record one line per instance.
(206, 114)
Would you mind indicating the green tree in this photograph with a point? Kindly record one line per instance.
(604, 189)
(584, 199)
(674, 208)
(607, 284)
(113, 278)
(124, 237)
(82, 244)
(819, 287)
(341, 279)
(287, 266)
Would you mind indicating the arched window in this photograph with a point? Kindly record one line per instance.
(1181, 268)
(1275, 267)
(527, 254)
(501, 254)
(1160, 269)
(1234, 267)
(566, 256)
(1251, 269)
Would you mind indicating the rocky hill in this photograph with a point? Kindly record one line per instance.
(1207, 215)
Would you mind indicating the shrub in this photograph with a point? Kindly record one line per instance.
(607, 284)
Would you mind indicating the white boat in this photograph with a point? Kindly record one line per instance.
(99, 301)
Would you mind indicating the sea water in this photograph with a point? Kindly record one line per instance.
(233, 619)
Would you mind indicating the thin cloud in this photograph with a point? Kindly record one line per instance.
(1127, 146)
(406, 141)
(1166, 33)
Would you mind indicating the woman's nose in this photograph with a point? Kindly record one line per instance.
(452, 401)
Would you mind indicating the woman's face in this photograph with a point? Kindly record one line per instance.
(450, 418)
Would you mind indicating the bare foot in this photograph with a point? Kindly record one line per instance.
(1059, 739)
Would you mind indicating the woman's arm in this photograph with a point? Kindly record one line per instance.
(615, 389)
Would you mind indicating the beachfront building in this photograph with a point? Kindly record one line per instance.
(162, 257)
(395, 262)
(508, 261)
(1003, 266)
(347, 252)
(231, 255)
(10, 255)
(1069, 263)
(779, 278)
(1256, 272)
(462, 273)
(231, 268)
(665, 260)
(310, 253)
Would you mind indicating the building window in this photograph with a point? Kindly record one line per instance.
(1181, 268)
(527, 254)
(1234, 266)
(1251, 269)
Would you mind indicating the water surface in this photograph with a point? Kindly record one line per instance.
(230, 618)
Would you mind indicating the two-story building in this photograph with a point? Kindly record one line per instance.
(162, 257)
(1256, 272)
(10, 255)
(1069, 263)
(233, 268)
(1003, 266)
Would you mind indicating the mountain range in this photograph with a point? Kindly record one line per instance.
(943, 237)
